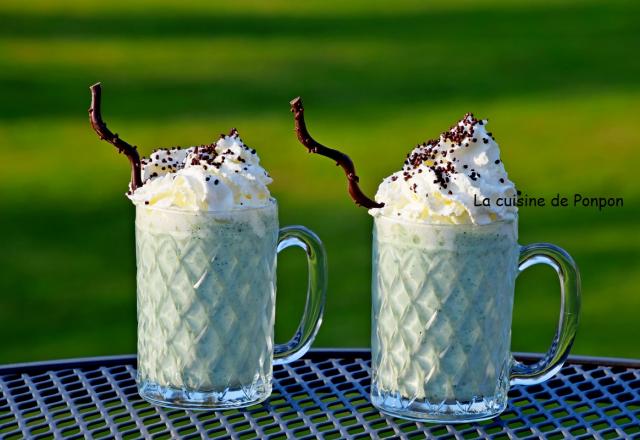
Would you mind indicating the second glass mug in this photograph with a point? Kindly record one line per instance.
(206, 304)
(441, 322)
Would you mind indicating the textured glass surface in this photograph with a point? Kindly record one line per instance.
(206, 292)
(442, 306)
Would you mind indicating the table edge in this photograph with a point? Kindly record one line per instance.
(317, 354)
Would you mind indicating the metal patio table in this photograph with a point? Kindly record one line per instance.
(323, 395)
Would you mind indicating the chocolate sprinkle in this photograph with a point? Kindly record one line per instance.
(436, 154)
(204, 155)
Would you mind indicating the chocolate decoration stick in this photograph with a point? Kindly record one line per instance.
(95, 117)
(341, 159)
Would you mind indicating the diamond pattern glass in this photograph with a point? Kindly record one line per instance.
(442, 304)
(206, 292)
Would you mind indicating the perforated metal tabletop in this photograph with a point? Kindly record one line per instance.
(324, 395)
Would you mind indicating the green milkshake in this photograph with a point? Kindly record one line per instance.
(207, 236)
(445, 260)
(206, 295)
(444, 272)
(442, 301)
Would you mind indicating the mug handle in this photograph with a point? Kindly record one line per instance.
(308, 328)
(567, 270)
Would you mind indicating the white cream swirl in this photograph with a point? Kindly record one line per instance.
(444, 180)
(216, 177)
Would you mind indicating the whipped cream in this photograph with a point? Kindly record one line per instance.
(443, 180)
(216, 177)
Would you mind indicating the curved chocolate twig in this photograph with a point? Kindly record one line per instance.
(341, 159)
(95, 117)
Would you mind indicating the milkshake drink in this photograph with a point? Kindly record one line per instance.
(444, 270)
(445, 260)
(206, 239)
(451, 288)
(206, 294)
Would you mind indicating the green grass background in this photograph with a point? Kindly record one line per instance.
(559, 81)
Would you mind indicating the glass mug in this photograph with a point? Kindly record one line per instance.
(206, 304)
(441, 322)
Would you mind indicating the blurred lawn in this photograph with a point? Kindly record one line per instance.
(558, 80)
